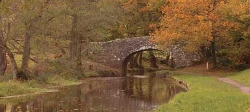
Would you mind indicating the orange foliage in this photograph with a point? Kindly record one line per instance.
(194, 23)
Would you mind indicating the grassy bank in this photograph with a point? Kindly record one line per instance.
(207, 94)
(14, 87)
(242, 77)
(41, 83)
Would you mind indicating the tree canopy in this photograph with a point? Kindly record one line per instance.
(40, 29)
(203, 24)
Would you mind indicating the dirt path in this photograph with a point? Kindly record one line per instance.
(244, 89)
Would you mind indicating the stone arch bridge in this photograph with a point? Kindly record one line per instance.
(114, 53)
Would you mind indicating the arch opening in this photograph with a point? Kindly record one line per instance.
(138, 57)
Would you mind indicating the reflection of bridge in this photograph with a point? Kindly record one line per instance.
(115, 53)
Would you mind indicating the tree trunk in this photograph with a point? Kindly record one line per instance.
(152, 59)
(13, 62)
(75, 45)
(26, 52)
(167, 59)
(12, 59)
(133, 61)
(213, 52)
(79, 56)
(136, 65)
(172, 63)
(140, 58)
(3, 61)
(73, 39)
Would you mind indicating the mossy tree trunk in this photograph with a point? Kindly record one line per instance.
(73, 39)
(3, 59)
(26, 52)
(13, 62)
(75, 51)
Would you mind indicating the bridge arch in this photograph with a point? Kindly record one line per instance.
(127, 59)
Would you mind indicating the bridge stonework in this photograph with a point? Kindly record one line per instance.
(113, 53)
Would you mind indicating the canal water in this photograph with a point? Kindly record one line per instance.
(112, 94)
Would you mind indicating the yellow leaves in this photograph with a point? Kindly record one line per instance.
(243, 17)
(236, 7)
(128, 4)
(182, 16)
(200, 18)
(193, 23)
(228, 24)
(152, 26)
(152, 1)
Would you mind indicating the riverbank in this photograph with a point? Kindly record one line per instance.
(14, 88)
(208, 94)
(51, 76)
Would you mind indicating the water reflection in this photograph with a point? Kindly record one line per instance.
(102, 95)
(151, 89)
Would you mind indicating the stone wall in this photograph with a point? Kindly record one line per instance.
(183, 58)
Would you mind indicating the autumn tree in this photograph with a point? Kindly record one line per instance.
(195, 24)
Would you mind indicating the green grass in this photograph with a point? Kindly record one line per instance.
(13, 87)
(39, 84)
(207, 94)
(242, 77)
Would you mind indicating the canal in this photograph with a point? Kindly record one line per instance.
(113, 94)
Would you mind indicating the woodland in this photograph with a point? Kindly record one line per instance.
(39, 36)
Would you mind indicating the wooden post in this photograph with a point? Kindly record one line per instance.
(207, 65)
